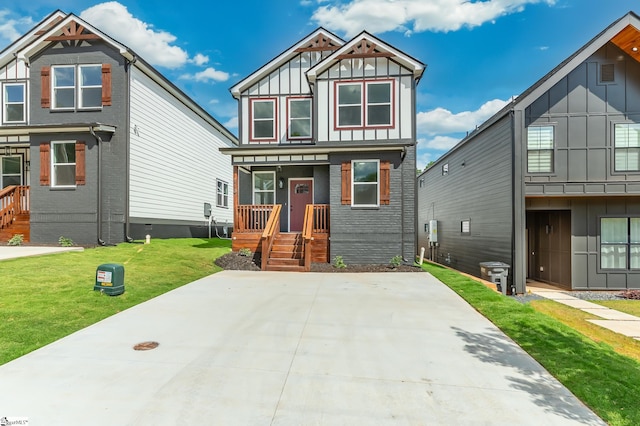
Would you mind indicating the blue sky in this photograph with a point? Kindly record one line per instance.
(478, 53)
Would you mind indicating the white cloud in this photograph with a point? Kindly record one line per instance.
(409, 16)
(441, 120)
(155, 46)
(439, 143)
(232, 123)
(199, 59)
(209, 74)
(11, 29)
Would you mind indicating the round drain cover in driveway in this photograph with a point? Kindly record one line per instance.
(145, 346)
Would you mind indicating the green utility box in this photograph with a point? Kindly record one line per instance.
(110, 279)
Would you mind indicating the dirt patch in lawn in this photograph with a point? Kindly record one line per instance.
(237, 262)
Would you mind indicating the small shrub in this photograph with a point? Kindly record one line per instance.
(244, 252)
(395, 261)
(16, 240)
(65, 242)
(338, 262)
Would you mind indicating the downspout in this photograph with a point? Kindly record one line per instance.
(127, 145)
(99, 189)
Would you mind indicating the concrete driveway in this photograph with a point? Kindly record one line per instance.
(269, 348)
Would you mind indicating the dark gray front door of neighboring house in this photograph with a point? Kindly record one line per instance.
(300, 194)
(10, 170)
(549, 246)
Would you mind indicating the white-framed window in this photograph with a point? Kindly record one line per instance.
(465, 226)
(626, 147)
(63, 164)
(222, 193)
(540, 146)
(620, 243)
(90, 86)
(76, 85)
(299, 118)
(63, 87)
(365, 183)
(14, 103)
(264, 187)
(10, 171)
(263, 119)
(364, 104)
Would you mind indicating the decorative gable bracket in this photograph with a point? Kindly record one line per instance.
(365, 49)
(74, 32)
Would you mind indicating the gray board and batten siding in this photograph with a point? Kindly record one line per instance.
(477, 188)
(72, 212)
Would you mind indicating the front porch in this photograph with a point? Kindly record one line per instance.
(14, 213)
(257, 228)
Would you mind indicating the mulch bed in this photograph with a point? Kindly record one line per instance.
(234, 261)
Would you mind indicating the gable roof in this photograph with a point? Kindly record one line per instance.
(8, 53)
(59, 27)
(319, 40)
(365, 45)
(624, 33)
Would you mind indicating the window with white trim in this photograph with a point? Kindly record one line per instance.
(620, 243)
(222, 193)
(299, 118)
(540, 146)
(85, 91)
(626, 147)
(263, 119)
(10, 171)
(14, 103)
(365, 182)
(90, 86)
(364, 104)
(63, 164)
(264, 188)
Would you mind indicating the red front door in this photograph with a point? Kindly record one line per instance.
(300, 194)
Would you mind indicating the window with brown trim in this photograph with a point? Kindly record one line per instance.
(62, 164)
(76, 87)
(365, 183)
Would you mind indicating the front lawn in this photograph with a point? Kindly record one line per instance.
(608, 382)
(45, 298)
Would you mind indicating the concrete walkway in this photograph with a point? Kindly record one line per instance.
(12, 252)
(618, 322)
(270, 348)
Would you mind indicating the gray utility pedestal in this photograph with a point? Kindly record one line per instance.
(497, 273)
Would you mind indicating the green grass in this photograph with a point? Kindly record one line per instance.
(45, 298)
(609, 383)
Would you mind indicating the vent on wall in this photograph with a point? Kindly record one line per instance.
(607, 73)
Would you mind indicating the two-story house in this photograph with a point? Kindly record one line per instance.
(97, 146)
(327, 156)
(550, 184)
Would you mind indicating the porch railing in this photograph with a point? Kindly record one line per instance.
(252, 217)
(14, 200)
(271, 229)
(316, 221)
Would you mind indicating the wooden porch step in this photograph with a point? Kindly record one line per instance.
(285, 268)
(20, 225)
(286, 253)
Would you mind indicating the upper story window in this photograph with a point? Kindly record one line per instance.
(14, 105)
(540, 146)
(620, 243)
(627, 147)
(364, 104)
(79, 87)
(299, 118)
(365, 183)
(222, 193)
(263, 119)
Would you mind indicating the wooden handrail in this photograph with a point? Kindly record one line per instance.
(14, 200)
(307, 235)
(271, 229)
